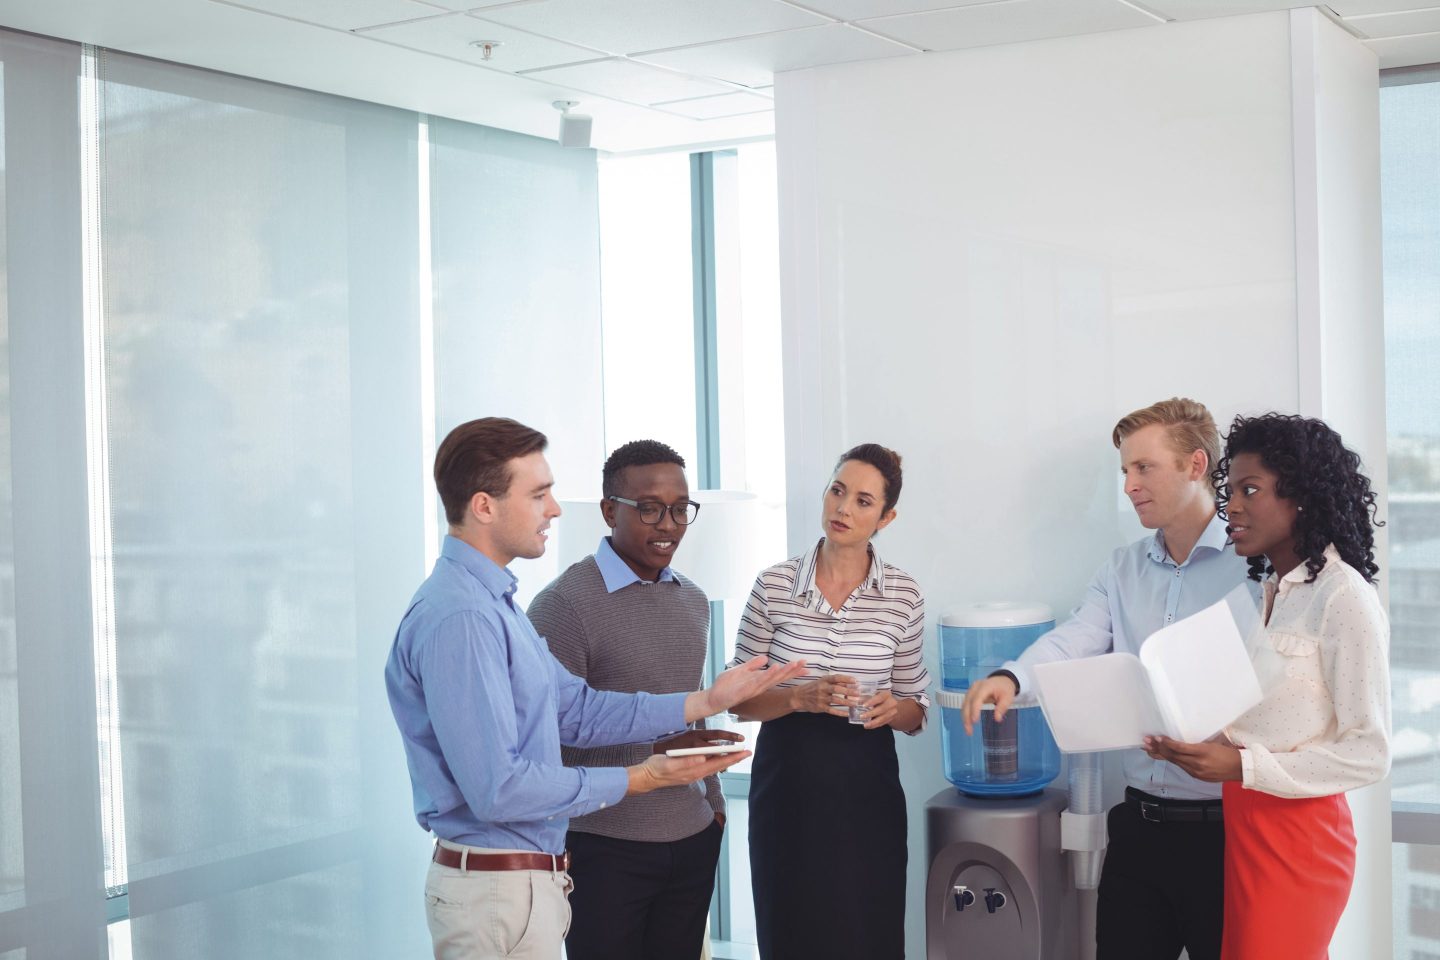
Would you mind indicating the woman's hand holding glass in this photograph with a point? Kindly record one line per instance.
(831, 694)
(880, 709)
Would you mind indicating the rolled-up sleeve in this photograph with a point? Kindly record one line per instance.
(908, 676)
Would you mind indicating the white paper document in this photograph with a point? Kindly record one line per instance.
(1190, 680)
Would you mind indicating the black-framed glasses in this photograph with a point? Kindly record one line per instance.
(652, 510)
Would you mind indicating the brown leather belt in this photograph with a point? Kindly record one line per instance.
(465, 860)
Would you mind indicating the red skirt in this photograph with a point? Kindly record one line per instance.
(1289, 865)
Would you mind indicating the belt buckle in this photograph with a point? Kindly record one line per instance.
(1151, 811)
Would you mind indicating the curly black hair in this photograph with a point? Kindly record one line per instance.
(1320, 475)
(636, 453)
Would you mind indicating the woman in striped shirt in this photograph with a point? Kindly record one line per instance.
(827, 813)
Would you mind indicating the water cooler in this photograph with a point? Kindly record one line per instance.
(1001, 885)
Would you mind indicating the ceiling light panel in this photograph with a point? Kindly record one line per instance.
(1397, 24)
(340, 14)
(864, 9)
(630, 81)
(754, 61)
(455, 35)
(625, 26)
(1009, 21)
(725, 105)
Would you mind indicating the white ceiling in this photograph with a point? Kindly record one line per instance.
(653, 73)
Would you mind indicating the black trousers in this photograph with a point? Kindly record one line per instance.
(635, 900)
(1161, 889)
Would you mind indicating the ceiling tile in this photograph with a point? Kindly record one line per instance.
(1407, 51)
(340, 14)
(625, 26)
(1205, 9)
(863, 9)
(1009, 21)
(1359, 8)
(451, 35)
(754, 61)
(627, 80)
(461, 5)
(1397, 24)
(725, 105)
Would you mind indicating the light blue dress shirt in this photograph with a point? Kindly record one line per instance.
(483, 708)
(1138, 591)
(617, 573)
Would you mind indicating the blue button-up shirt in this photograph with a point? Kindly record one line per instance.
(1138, 591)
(617, 573)
(483, 708)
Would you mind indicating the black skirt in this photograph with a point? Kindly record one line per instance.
(827, 840)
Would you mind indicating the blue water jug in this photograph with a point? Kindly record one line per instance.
(1017, 756)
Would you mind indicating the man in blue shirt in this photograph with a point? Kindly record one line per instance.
(1161, 888)
(483, 708)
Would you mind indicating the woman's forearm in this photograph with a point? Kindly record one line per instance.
(908, 715)
(770, 705)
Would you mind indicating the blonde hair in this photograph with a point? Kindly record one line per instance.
(1187, 423)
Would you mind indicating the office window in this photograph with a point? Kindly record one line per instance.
(514, 242)
(1410, 190)
(233, 321)
(647, 303)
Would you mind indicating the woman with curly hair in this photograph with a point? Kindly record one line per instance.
(1302, 512)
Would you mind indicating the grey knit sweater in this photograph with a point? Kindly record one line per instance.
(645, 636)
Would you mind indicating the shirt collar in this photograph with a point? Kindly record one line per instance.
(1213, 537)
(1301, 573)
(805, 575)
(616, 572)
(493, 577)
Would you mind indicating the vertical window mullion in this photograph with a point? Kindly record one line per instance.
(97, 456)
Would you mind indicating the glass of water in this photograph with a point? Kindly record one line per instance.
(864, 690)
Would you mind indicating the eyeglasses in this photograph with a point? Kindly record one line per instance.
(652, 510)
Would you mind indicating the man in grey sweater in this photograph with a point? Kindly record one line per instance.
(623, 620)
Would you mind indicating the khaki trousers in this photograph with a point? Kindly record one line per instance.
(496, 914)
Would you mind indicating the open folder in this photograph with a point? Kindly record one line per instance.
(1191, 679)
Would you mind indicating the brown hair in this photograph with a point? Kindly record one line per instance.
(885, 460)
(1187, 423)
(475, 457)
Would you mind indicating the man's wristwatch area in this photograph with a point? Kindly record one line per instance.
(1008, 676)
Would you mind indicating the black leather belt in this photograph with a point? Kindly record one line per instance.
(1161, 810)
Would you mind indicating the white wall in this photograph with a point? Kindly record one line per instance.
(991, 255)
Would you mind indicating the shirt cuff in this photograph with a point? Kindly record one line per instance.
(1247, 768)
(608, 786)
(669, 714)
(1022, 677)
(924, 703)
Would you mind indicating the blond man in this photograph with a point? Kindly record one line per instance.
(1162, 884)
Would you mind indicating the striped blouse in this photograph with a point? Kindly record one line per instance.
(877, 634)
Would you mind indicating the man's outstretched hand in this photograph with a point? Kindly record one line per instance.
(737, 685)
